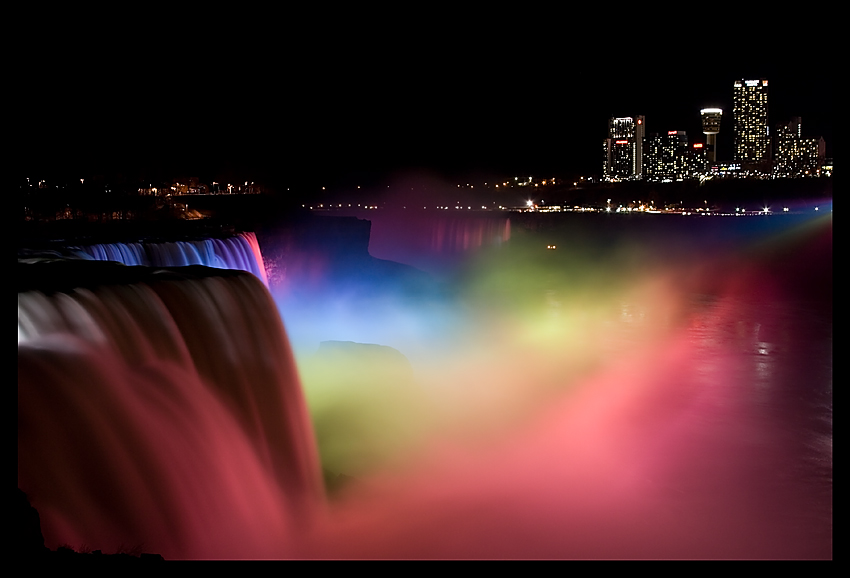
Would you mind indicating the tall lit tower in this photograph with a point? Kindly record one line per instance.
(624, 148)
(752, 142)
(711, 126)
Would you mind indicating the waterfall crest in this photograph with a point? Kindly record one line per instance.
(241, 252)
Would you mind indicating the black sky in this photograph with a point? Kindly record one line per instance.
(341, 105)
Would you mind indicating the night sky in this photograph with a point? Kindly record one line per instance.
(307, 104)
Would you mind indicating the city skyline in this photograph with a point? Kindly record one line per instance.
(358, 117)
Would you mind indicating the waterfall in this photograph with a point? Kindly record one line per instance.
(433, 242)
(241, 252)
(589, 403)
(161, 408)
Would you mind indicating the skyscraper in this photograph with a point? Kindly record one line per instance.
(711, 126)
(624, 149)
(752, 141)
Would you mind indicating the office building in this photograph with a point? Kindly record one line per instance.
(666, 156)
(794, 155)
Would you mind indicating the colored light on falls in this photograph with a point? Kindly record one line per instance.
(241, 252)
(605, 402)
(162, 412)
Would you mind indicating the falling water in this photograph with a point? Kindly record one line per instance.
(161, 408)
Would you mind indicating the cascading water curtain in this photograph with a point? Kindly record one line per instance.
(163, 410)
